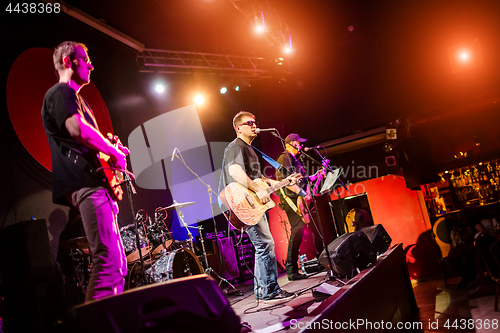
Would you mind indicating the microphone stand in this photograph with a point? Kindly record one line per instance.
(131, 190)
(330, 274)
(209, 270)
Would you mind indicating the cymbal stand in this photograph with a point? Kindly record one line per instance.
(210, 192)
(190, 235)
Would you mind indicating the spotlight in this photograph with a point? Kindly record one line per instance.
(223, 90)
(259, 28)
(160, 88)
(199, 99)
(237, 88)
(465, 56)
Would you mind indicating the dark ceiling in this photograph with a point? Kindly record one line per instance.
(393, 63)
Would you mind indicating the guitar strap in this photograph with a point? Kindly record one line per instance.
(289, 201)
(274, 164)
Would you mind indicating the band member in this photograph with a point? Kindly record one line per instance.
(294, 208)
(75, 141)
(241, 164)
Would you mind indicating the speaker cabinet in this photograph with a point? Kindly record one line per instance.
(379, 238)
(350, 253)
(189, 304)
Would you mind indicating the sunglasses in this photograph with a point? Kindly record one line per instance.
(250, 123)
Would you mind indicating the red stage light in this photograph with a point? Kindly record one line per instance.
(465, 56)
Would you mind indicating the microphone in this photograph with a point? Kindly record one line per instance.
(315, 147)
(173, 154)
(258, 130)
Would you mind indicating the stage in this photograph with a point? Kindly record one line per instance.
(378, 298)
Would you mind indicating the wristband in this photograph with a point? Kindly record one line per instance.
(302, 193)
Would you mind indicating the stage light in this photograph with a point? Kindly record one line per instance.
(199, 99)
(465, 56)
(259, 28)
(223, 90)
(160, 88)
(287, 46)
(237, 88)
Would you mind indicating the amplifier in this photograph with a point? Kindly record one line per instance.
(245, 255)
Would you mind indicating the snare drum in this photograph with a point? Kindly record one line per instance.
(175, 264)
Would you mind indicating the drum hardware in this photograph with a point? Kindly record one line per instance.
(82, 264)
(177, 205)
(160, 235)
(209, 270)
(76, 243)
(129, 243)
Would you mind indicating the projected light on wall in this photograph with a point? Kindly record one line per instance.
(465, 56)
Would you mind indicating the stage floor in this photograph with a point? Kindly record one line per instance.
(263, 317)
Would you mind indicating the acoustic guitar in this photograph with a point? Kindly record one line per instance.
(114, 178)
(246, 208)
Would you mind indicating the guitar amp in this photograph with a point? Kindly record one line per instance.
(245, 255)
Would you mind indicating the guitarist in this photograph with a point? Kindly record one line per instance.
(75, 141)
(290, 203)
(241, 164)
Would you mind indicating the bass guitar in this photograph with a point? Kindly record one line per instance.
(246, 208)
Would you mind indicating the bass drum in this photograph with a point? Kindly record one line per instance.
(175, 264)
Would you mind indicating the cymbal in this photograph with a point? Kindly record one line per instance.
(179, 205)
(76, 243)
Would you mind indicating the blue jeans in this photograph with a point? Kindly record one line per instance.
(266, 267)
(100, 220)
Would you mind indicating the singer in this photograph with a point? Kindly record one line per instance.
(294, 208)
(75, 142)
(241, 164)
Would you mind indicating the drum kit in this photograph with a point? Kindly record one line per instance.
(164, 258)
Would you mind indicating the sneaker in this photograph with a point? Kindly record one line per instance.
(283, 295)
(296, 276)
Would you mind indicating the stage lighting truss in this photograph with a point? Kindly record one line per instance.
(183, 62)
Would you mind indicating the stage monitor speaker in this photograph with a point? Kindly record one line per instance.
(379, 238)
(350, 253)
(189, 304)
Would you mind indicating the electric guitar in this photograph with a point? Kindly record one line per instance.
(246, 208)
(114, 178)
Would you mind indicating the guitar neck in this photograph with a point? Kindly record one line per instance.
(277, 186)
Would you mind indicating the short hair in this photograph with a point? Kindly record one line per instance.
(65, 49)
(240, 115)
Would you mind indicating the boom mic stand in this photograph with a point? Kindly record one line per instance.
(209, 270)
(330, 274)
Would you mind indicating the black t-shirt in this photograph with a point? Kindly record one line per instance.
(241, 153)
(60, 103)
(292, 164)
